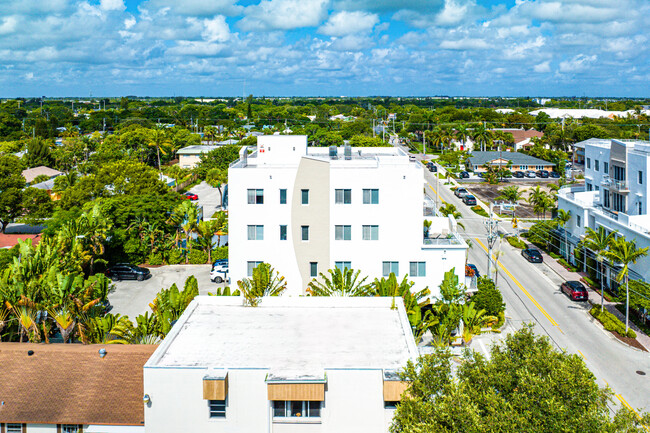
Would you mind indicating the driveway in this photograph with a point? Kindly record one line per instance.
(132, 298)
(209, 198)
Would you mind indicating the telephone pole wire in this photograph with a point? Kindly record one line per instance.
(491, 225)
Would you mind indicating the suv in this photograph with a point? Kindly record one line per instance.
(519, 174)
(575, 290)
(219, 272)
(432, 167)
(530, 174)
(464, 175)
(469, 200)
(542, 173)
(460, 192)
(533, 256)
(126, 271)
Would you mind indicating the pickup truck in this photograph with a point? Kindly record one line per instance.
(460, 192)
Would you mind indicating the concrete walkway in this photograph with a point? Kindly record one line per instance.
(594, 297)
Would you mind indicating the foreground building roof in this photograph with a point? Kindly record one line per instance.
(72, 383)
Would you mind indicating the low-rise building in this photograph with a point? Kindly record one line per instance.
(32, 173)
(292, 364)
(72, 388)
(615, 196)
(190, 156)
(479, 161)
(305, 210)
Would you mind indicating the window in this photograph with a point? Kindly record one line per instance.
(304, 233)
(370, 233)
(283, 196)
(302, 409)
(390, 267)
(590, 187)
(640, 208)
(597, 188)
(417, 269)
(14, 428)
(313, 269)
(618, 202)
(217, 408)
(391, 404)
(342, 266)
(283, 233)
(578, 221)
(250, 266)
(606, 198)
(596, 165)
(343, 196)
(342, 233)
(255, 196)
(70, 428)
(370, 196)
(304, 194)
(640, 178)
(588, 162)
(523, 167)
(255, 233)
(605, 167)
(619, 172)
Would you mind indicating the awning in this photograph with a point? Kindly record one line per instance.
(215, 385)
(291, 386)
(394, 387)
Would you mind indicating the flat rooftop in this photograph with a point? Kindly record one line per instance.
(290, 334)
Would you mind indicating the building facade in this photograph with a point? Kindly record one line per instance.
(290, 365)
(615, 196)
(305, 210)
(517, 161)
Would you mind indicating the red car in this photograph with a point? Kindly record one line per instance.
(190, 196)
(575, 290)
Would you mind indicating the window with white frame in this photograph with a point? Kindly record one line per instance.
(588, 162)
(304, 196)
(370, 196)
(301, 409)
(250, 266)
(417, 269)
(596, 165)
(605, 167)
(283, 196)
(217, 408)
(343, 196)
(640, 177)
(14, 428)
(370, 233)
(255, 196)
(313, 269)
(70, 428)
(342, 233)
(304, 233)
(578, 221)
(523, 167)
(283, 232)
(255, 233)
(342, 266)
(589, 186)
(390, 268)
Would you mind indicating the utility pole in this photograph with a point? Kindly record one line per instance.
(492, 235)
(373, 128)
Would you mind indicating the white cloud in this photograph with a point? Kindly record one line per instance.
(388, 5)
(216, 29)
(29, 76)
(351, 43)
(347, 23)
(453, 13)
(129, 22)
(201, 8)
(284, 14)
(8, 25)
(542, 67)
(572, 11)
(112, 5)
(465, 44)
(578, 63)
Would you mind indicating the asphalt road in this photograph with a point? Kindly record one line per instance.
(531, 292)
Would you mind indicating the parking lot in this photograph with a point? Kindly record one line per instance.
(132, 297)
(209, 198)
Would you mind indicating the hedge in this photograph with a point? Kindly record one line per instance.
(175, 257)
(611, 322)
(198, 257)
(479, 210)
(515, 242)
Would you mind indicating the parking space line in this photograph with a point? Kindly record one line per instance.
(533, 300)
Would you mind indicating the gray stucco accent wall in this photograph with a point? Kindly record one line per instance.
(313, 175)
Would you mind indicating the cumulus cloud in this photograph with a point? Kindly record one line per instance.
(284, 14)
(346, 23)
(577, 64)
(200, 8)
(112, 5)
(542, 67)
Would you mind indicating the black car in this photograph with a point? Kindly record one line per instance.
(432, 167)
(519, 174)
(464, 175)
(555, 175)
(125, 271)
(542, 173)
(480, 174)
(469, 200)
(533, 256)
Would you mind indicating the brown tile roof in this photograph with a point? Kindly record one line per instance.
(9, 240)
(72, 384)
(32, 173)
(521, 134)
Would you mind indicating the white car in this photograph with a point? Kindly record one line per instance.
(219, 273)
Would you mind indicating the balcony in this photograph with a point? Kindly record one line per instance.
(619, 185)
(442, 240)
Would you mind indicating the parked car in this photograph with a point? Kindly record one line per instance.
(126, 271)
(480, 174)
(460, 192)
(219, 272)
(575, 290)
(464, 175)
(475, 269)
(412, 158)
(533, 256)
(555, 175)
(469, 200)
(507, 175)
(530, 174)
(432, 167)
(190, 196)
(542, 173)
(519, 174)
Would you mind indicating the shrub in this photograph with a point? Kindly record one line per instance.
(134, 250)
(488, 297)
(198, 257)
(479, 210)
(611, 322)
(155, 259)
(175, 257)
(555, 256)
(517, 243)
(220, 253)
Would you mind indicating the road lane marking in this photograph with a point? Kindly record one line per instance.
(553, 322)
(432, 189)
(581, 354)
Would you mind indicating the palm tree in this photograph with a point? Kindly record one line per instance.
(461, 134)
(450, 209)
(185, 217)
(413, 301)
(158, 138)
(511, 193)
(264, 282)
(482, 136)
(205, 231)
(437, 138)
(563, 217)
(540, 200)
(340, 283)
(598, 242)
(624, 252)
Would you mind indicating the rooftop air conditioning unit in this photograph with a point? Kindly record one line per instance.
(348, 151)
(334, 152)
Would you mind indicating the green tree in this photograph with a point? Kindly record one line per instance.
(488, 297)
(38, 153)
(626, 253)
(598, 242)
(11, 189)
(511, 194)
(37, 205)
(339, 283)
(413, 301)
(159, 140)
(563, 217)
(265, 282)
(450, 209)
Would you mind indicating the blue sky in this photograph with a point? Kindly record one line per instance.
(324, 47)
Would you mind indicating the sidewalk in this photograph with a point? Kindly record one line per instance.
(594, 296)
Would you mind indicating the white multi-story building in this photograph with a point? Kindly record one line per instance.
(615, 196)
(305, 210)
(290, 365)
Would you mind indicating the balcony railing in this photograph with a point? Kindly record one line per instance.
(620, 185)
(442, 240)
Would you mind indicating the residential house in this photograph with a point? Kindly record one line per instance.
(32, 173)
(190, 156)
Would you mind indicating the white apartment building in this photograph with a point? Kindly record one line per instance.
(305, 210)
(615, 196)
(290, 365)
